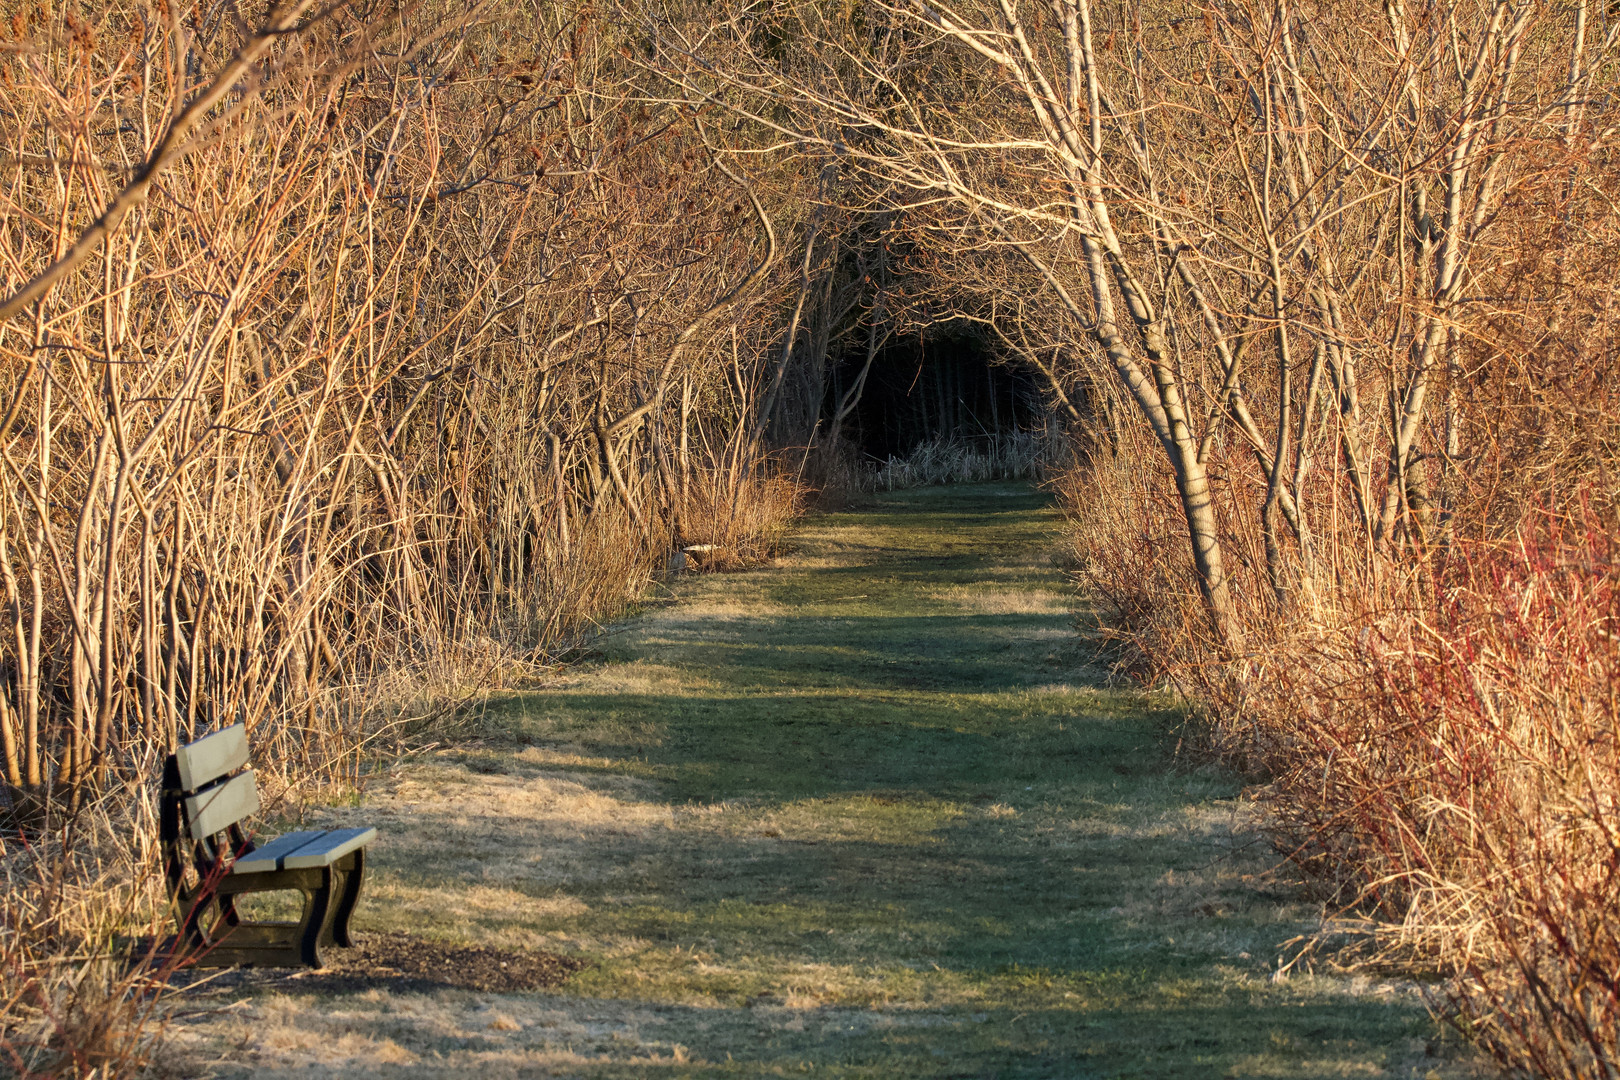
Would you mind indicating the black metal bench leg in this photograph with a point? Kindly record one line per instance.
(348, 897)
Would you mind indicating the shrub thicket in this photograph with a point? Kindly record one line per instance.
(354, 355)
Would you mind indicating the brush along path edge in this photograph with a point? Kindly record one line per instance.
(866, 812)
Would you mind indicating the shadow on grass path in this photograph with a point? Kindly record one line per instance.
(864, 813)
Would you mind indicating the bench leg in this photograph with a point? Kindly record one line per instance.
(202, 915)
(227, 914)
(315, 929)
(218, 935)
(348, 897)
(189, 913)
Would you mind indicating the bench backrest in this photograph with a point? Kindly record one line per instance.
(212, 757)
(212, 799)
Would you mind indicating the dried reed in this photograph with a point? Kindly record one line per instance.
(958, 459)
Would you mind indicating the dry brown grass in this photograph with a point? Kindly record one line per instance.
(81, 985)
(1454, 769)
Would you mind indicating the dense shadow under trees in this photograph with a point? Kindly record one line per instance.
(942, 386)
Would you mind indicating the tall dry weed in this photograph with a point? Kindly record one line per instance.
(960, 459)
(1456, 769)
(732, 522)
(1126, 538)
(1441, 750)
(380, 377)
(83, 972)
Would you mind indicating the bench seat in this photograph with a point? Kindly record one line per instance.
(300, 850)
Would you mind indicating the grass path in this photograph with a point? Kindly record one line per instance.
(863, 813)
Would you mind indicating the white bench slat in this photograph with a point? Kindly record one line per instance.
(269, 856)
(328, 849)
(220, 807)
(212, 756)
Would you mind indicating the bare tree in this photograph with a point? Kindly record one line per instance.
(343, 356)
(1195, 187)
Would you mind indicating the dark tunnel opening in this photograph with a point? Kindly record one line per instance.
(942, 386)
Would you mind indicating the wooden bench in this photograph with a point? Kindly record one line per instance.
(209, 861)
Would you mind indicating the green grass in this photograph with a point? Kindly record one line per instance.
(868, 812)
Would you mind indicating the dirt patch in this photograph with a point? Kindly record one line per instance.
(401, 962)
